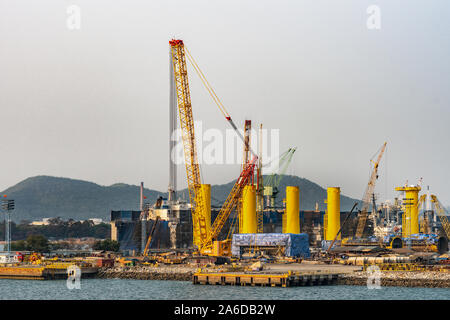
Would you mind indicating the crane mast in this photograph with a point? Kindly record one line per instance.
(245, 158)
(196, 197)
(274, 180)
(367, 194)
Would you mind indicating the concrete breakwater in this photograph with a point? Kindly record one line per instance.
(427, 279)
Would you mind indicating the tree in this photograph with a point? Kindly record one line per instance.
(107, 245)
(20, 245)
(38, 243)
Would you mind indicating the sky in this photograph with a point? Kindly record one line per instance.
(93, 103)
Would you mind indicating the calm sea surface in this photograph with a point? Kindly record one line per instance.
(96, 289)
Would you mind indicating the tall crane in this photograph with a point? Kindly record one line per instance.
(229, 205)
(273, 181)
(259, 187)
(203, 238)
(368, 194)
(245, 158)
(150, 237)
(440, 211)
(196, 196)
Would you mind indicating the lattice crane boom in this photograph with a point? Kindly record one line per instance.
(368, 193)
(196, 197)
(229, 204)
(442, 216)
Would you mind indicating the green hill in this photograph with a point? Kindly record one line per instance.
(310, 193)
(44, 196)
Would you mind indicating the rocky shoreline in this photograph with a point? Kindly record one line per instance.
(400, 279)
(184, 273)
(180, 273)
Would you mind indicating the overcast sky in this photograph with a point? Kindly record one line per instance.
(92, 103)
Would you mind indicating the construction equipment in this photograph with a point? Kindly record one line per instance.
(150, 237)
(228, 206)
(259, 187)
(368, 194)
(424, 224)
(245, 157)
(203, 238)
(340, 229)
(196, 197)
(441, 212)
(273, 181)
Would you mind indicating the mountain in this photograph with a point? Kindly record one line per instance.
(310, 193)
(44, 196)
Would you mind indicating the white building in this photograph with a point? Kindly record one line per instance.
(43, 222)
(6, 257)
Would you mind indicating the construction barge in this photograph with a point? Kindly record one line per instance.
(273, 280)
(38, 272)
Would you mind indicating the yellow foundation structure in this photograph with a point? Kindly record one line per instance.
(206, 190)
(333, 214)
(292, 218)
(410, 221)
(249, 224)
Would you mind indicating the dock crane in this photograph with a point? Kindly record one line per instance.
(203, 238)
(442, 215)
(150, 237)
(273, 181)
(368, 194)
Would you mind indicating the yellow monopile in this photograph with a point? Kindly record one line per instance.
(292, 210)
(249, 210)
(333, 212)
(410, 224)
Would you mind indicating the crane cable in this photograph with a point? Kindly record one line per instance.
(215, 98)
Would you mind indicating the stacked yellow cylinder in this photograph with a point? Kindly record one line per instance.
(333, 212)
(292, 217)
(206, 189)
(249, 224)
(411, 211)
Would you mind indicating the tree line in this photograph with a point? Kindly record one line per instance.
(58, 229)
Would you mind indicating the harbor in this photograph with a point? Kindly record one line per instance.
(195, 151)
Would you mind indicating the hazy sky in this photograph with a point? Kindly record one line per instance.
(92, 103)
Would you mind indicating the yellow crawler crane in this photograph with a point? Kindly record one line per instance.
(368, 194)
(229, 205)
(203, 238)
(442, 216)
(196, 196)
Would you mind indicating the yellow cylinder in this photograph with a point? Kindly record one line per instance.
(410, 221)
(206, 189)
(333, 212)
(292, 210)
(249, 210)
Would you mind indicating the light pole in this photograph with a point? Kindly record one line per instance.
(8, 206)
